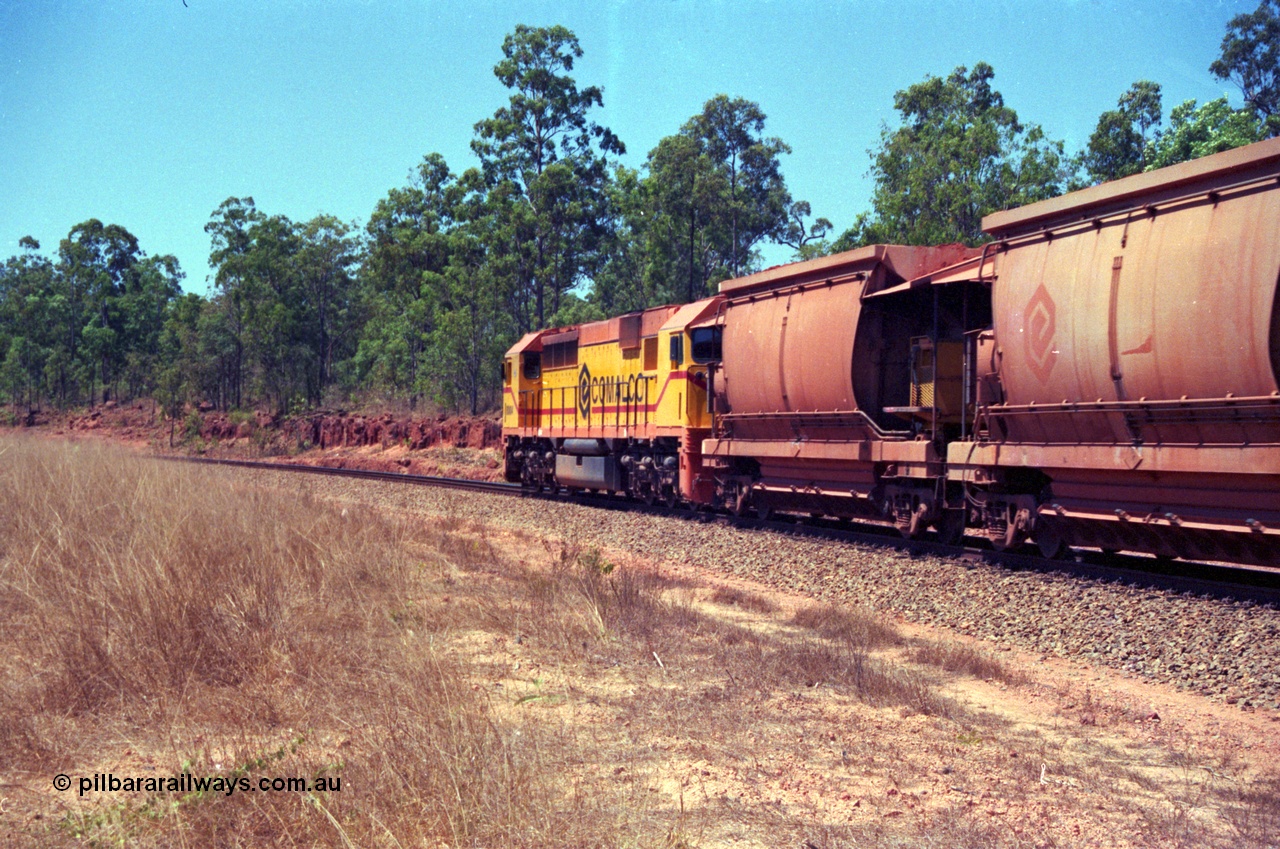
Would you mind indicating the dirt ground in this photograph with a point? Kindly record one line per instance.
(1069, 754)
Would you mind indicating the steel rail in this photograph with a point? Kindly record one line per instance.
(1238, 583)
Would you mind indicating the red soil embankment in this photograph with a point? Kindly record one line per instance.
(463, 446)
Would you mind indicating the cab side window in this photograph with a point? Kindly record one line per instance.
(706, 344)
(532, 365)
(677, 349)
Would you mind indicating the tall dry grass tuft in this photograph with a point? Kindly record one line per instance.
(860, 628)
(954, 657)
(130, 579)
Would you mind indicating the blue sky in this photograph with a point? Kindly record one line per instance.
(149, 114)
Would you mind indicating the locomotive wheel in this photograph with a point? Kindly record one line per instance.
(671, 497)
(742, 504)
(648, 495)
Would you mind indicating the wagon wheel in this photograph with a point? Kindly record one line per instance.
(1014, 533)
(915, 527)
(950, 527)
(648, 494)
(671, 497)
(1048, 538)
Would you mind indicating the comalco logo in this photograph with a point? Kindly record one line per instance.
(611, 394)
(1039, 323)
(584, 391)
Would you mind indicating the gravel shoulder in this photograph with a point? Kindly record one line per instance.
(1226, 651)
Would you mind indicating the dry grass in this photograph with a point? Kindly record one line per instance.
(734, 597)
(848, 625)
(471, 690)
(964, 660)
(162, 619)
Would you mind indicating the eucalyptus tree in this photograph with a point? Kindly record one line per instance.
(328, 257)
(97, 263)
(1196, 131)
(29, 323)
(713, 194)
(958, 154)
(547, 160)
(144, 306)
(754, 202)
(284, 289)
(1119, 144)
(407, 250)
(1250, 58)
(229, 230)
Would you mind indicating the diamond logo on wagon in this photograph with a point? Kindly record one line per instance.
(1038, 324)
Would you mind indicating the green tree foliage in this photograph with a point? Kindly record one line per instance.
(408, 252)
(438, 296)
(545, 163)
(1118, 147)
(185, 372)
(960, 153)
(1251, 59)
(753, 203)
(29, 325)
(283, 293)
(808, 239)
(98, 264)
(144, 306)
(714, 193)
(87, 326)
(687, 241)
(1194, 132)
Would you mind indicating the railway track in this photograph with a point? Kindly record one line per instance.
(1241, 583)
(365, 474)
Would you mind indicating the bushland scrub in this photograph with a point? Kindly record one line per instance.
(471, 688)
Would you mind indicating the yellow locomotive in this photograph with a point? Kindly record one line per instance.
(614, 406)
